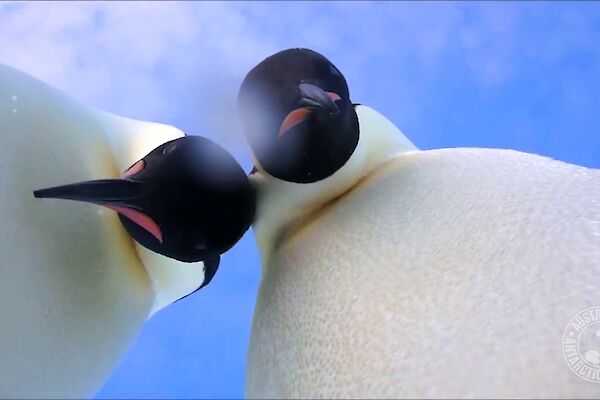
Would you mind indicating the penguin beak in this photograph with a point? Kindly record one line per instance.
(122, 195)
(313, 97)
(119, 192)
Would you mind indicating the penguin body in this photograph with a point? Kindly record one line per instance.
(407, 273)
(445, 273)
(75, 288)
(441, 273)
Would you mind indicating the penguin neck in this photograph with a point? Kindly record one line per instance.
(285, 207)
(129, 141)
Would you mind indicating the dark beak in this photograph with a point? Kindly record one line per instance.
(315, 97)
(115, 192)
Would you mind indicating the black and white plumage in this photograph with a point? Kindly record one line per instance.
(407, 273)
(79, 281)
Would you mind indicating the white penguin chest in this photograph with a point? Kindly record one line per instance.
(446, 273)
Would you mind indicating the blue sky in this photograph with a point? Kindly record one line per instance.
(514, 75)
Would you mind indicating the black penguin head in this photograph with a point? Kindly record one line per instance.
(187, 199)
(296, 111)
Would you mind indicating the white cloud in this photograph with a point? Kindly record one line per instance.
(127, 57)
(182, 62)
(100, 51)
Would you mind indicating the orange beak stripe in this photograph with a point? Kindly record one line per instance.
(293, 119)
(139, 218)
(135, 168)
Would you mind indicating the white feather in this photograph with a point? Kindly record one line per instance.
(443, 273)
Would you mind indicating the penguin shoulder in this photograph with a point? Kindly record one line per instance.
(479, 186)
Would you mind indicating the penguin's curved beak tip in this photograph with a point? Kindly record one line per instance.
(120, 192)
(315, 97)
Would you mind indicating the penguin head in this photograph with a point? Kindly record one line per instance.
(187, 199)
(299, 120)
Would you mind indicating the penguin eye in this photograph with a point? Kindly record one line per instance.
(135, 168)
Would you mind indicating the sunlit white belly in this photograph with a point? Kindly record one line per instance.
(447, 273)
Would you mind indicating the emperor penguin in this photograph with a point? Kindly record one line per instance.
(391, 272)
(79, 282)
